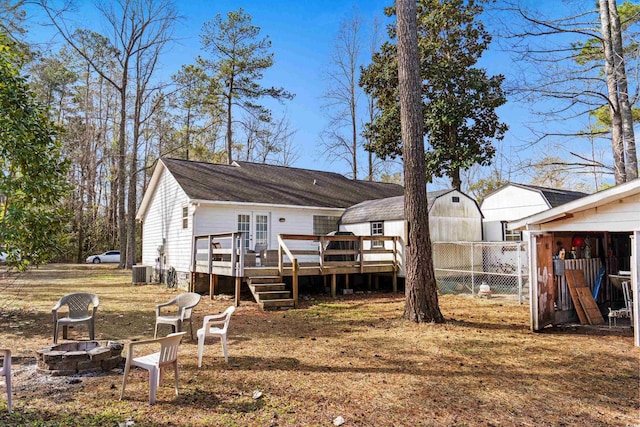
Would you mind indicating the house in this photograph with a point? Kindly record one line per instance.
(513, 201)
(453, 217)
(599, 231)
(186, 199)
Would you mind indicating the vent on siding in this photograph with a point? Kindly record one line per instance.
(455, 199)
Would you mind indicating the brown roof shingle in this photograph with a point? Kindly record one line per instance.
(279, 185)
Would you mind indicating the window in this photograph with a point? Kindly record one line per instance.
(185, 217)
(510, 235)
(323, 225)
(244, 224)
(262, 230)
(455, 199)
(377, 229)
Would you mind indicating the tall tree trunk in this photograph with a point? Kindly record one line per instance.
(354, 126)
(229, 131)
(630, 155)
(121, 173)
(421, 304)
(614, 103)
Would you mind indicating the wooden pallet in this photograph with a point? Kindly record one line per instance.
(586, 307)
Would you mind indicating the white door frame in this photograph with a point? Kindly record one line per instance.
(252, 226)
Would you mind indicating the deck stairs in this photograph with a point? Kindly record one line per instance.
(270, 292)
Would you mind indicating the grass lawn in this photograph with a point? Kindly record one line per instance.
(351, 356)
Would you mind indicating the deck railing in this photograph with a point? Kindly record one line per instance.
(225, 254)
(217, 256)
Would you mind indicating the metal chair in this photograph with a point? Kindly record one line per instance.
(154, 362)
(215, 325)
(628, 299)
(627, 310)
(185, 303)
(5, 371)
(78, 305)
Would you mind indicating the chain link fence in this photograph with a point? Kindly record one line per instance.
(469, 267)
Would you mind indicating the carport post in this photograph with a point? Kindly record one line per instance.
(635, 282)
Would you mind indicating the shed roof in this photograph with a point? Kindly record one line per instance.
(270, 184)
(601, 198)
(391, 208)
(553, 196)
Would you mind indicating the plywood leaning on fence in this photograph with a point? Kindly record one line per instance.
(586, 307)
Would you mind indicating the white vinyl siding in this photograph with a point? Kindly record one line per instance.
(162, 226)
(512, 202)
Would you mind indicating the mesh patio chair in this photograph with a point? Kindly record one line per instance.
(155, 363)
(185, 303)
(78, 305)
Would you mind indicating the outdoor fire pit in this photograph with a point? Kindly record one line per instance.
(79, 357)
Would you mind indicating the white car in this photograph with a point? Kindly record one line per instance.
(109, 256)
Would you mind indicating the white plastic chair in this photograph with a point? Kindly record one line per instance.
(78, 305)
(215, 325)
(5, 371)
(185, 303)
(155, 362)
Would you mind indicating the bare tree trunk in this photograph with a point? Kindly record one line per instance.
(421, 304)
(122, 158)
(614, 103)
(229, 131)
(631, 158)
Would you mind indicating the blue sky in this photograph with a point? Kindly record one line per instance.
(303, 35)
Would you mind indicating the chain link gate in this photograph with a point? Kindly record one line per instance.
(463, 267)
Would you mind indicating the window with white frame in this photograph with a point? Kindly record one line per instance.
(244, 224)
(377, 229)
(324, 224)
(185, 216)
(510, 235)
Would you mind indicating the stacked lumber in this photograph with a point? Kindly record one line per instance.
(585, 305)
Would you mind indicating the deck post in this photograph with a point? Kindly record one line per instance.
(333, 285)
(238, 283)
(361, 254)
(213, 283)
(321, 254)
(192, 283)
(376, 281)
(295, 282)
(346, 281)
(369, 281)
(395, 282)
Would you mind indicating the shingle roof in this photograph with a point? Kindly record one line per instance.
(391, 208)
(554, 196)
(260, 183)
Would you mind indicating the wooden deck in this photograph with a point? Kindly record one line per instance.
(297, 255)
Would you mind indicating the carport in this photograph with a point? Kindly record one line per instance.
(600, 233)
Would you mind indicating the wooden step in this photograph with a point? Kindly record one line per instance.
(264, 279)
(269, 295)
(266, 287)
(276, 304)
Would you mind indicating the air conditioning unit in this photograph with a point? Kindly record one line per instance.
(141, 274)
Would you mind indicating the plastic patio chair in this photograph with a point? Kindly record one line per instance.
(78, 305)
(215, 325)
(5, 371)
(154, 362)
(185, 303)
